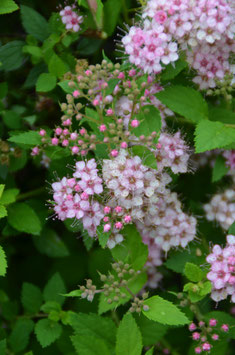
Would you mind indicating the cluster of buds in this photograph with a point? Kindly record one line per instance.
(6, 152)
(88, 291)
(206, 334)
(138, 304)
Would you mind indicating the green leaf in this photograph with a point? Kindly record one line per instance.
(34, 23)
(2, 187)
(64, 86)
(54, 289)
(50, 306)
(45, 82)
(150, 121)
(220, 169)
(95, 326)
(147, 157)
(3, 346)
(31, 298)
(110, 16)
(3, 211)
(8, 6)
(132, 249)
(223, 318)
(19, 337)
(11, 55)
(56, 66)
(3, 90)
(150, 351)
(185, 101)
(102, 236)
(34, 51)
(34, 74)
(27, 138)
(232, 229)
(222, 115)
(9, 196)
(47, 332)
(23, 218)
(129, 340)
(50, 244)
(210, 135)
(11, 119)
(89, 345)
(74, 293)
(3, 262)
(193, 272)
(173, 69)
(164, 312)
(151, 331)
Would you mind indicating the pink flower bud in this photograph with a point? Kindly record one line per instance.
(35, 151)
(88, 72)
(82, 131)
(198, 350)
(114, 153)
(118, 225)
(201, 323)
(107, 209)
(95, 102)
(124, 145)
(132, 72)
(83, 152)
(76, 93)
(102, 128)
(108, 99)
(212, 322)
(106, 219)
(65, 143)
(75, 149)
(127, 219)
(196, 336)
(42, 132)
(118, 209)
(107, 227)
(215, 337)
(192, 327)
(225, 328)
(121, 75)
(109, 112)
(58, 131)
(54, 141)
(206, 346)
(159, 146)
(73, 136)
(66, 132)
(160, 17)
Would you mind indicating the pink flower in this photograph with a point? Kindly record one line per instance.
(192, 327)
(107, 227)
(212, 322)
(225, 328)
(160, 17)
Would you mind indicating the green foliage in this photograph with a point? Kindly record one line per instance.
(24, 219)
(220, 169)
(211, 135)
(8, 6)
(146, 156)
(50, 244)
(45, 82)
(129, 340)
(31, 298)
(19, 336)
(47, 332)
(34, 23)
(151, 331)
(27, 138)
(11, 55)
(54, 289)
(89, 345)
(150, 121)
(193, 272)
(164, 312)
(9, 196)
(232, 229)
(110, 16)
(185, 101)
(3, 262)
(173, 70)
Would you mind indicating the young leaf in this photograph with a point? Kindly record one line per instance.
(164, 312)
(210, 135)
(8, 6)
(34, 23)
(9, 196)
(27, 138)
(3, 262)
(3, 211)
(23, 218)
(129, 340)
(56, 66)
(89, 345)
(19, 336)
(95, 326)
(220, 169)
(185, 101)
(193, 272)
(11, 56)
(31, 297)
(74, 293)
(54, 289)
(47, 332)
(45, 82)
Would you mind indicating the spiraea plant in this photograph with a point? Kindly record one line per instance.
(117, 177)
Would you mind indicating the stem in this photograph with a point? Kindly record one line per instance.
(32, 193)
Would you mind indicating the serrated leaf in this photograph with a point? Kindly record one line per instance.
(185, 101)
(164, 312)
(74, 293)
(8, 6)
(34, 23)
(3, 211)
(95, 326)
(45, 82)
(50, 244)
(47, 332)
(173, 69)
(150, 121)
(3, 262)
(220, 169)
(211, 135)
(9, 196)
(151, 331)
(56, 66)
(89, 345)
(19, 336)
(31, 297)
(27, 138)
(222, 115)
(193, 272)
(11, 56)
(129, 340)
(232, 229)
(54, 289)
(23, 218)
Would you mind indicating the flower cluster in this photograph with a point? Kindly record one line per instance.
(222, 271)
(73, 197)
(206, 334)
(205, 29)
(71, 19)
(222, 208)
(230, 158)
